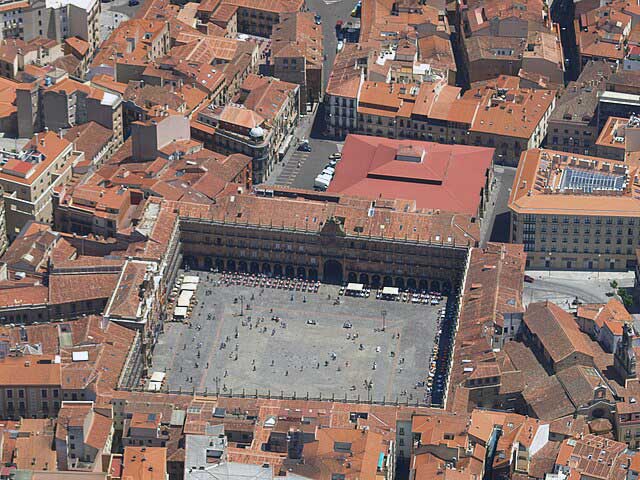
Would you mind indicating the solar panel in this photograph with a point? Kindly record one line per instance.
(588, 181)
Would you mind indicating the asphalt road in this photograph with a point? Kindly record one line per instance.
(331, 11)
(563, 287)
(495, 227)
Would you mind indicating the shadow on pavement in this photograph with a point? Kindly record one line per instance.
(500, 232)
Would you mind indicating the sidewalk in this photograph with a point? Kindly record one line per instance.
(578, 275)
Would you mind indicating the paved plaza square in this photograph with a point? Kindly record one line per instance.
(308, 351)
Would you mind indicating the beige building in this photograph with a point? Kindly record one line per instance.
(500, 115)
(330, 238)
(618, 138)
(29, 177)
(257, 17)
(575, 212)
(53, 19)
(257, 123)
(69, 103)
(30, 387)
(297, 54)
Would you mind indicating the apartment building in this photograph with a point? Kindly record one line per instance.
(298, 54)
(575, 211)
(84, 436)
(601, 34)
(619, 137)
(257, 17)
(129, 48)
(257, 123)
(574, 124)
(29, 177)
(146, 430)
(500, 114)
(30, 386)
(69, 103)
(16, 53)
(55, 20)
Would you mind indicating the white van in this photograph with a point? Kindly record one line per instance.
(322, 182)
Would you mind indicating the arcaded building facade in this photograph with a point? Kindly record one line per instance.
(332, 239)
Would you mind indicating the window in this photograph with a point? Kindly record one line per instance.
(43, 393)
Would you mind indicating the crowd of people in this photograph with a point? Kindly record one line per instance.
(262, 280)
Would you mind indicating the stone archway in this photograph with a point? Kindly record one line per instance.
(411, 284)
(435, 286)
(266, 268)
(313, 274)
(277, 270)
(364, 279)
(301, 272)
(387, 281)
(231, 265)
(423, 284)
(254, 267)
(190, 261)
(375, 281)
(208, 263)
(219, 264)
(400, 283)
(242, 266)
(332, 272)
(289, 271)
(352, 277)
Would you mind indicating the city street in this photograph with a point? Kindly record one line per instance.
(563, 287)
(331, 11)
(288, 173)
(495, 225)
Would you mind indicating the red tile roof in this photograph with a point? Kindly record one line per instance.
(436, 176)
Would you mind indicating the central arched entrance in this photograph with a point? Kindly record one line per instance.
(332, 272)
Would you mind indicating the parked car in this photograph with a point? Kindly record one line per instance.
(318, 19)
(304, 147)
(335, 156)
(133, 3)
(528, 279)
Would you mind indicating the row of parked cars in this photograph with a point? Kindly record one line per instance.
(324, 178)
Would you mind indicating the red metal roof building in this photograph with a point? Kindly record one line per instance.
(453, 178)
